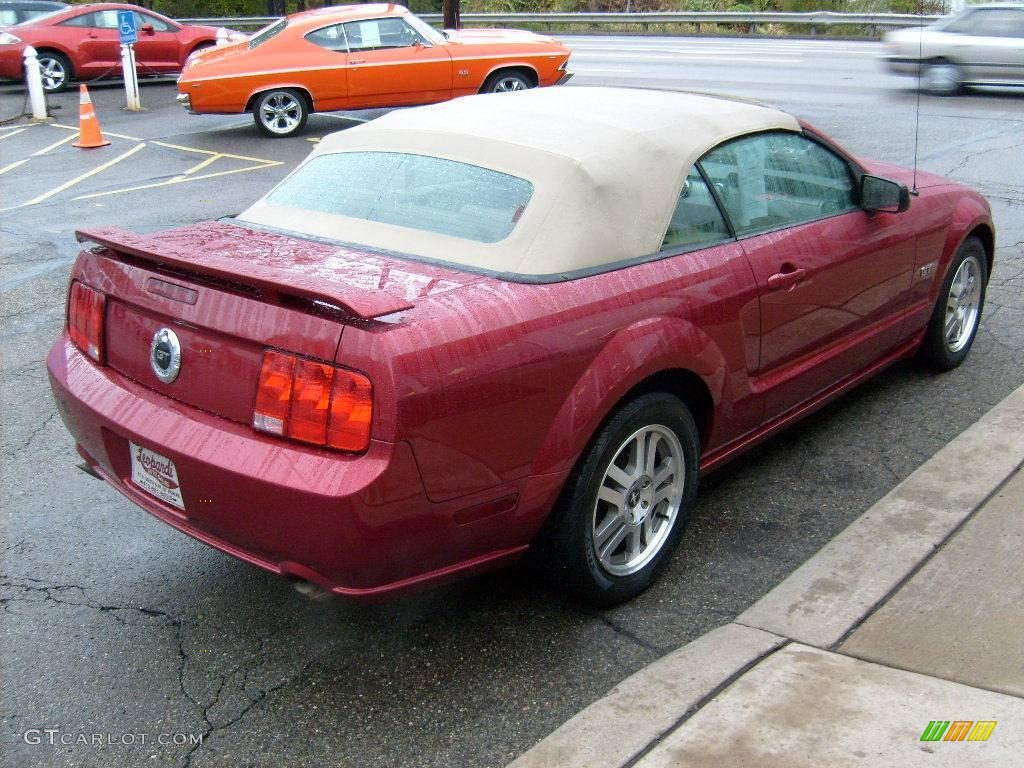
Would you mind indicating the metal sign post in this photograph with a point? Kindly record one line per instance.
(128, 29)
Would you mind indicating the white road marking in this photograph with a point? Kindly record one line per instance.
(699, 57)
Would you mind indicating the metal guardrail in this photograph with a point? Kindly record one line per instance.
(815, 20)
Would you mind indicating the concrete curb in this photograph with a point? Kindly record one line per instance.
(826, 597)
(819, 604)
(618, 727)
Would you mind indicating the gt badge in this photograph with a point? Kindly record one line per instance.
(165, 355)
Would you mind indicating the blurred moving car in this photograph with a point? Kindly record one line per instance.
(505, 322)
(358, 57)
(83, 43)
(983, 45)
(16, 11)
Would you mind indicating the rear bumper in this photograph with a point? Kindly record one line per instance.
(360, 526)
(565, 78)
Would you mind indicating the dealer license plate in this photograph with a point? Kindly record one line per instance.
(156, 474)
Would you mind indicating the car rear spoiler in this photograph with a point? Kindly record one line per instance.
(360, 302)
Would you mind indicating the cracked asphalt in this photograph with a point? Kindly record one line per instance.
(116, 627)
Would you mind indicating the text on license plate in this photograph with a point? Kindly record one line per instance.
(156, 474)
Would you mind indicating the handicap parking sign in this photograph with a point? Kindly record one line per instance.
(127, 27)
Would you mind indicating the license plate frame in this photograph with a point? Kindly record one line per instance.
(156, 474)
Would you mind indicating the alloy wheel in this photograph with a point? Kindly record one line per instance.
(962, 304)
(281, 113)
(942, 79)
(53, 73)
(638, 500)
(509, 84)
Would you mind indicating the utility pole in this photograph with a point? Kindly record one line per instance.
(452, 11)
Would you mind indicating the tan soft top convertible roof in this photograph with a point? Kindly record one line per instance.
(607, 165)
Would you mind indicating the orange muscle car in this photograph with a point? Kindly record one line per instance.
(360, 57)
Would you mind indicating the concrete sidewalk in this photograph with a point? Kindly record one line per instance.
(912, 614)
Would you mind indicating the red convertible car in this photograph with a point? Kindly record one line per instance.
(505, 322)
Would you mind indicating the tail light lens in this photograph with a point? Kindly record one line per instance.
(86, 309)
(313, 402)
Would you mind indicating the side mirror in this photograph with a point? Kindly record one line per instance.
(885, 195)
(147, 29)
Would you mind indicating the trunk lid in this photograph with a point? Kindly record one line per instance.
(492, 36)
(229, 292)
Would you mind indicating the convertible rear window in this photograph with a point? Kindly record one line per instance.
(267, 32)
(416, 191)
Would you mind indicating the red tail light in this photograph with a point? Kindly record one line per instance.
(313, 402)
(85, 319)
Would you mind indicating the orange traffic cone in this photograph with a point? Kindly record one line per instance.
(89, 134)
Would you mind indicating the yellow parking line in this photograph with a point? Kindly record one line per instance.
(179, 179)
(185, 149)
(84, 176)
(202, 164)
(55, 144)
(105, 133)
(12, 166)
(211, 152)
(14, 132)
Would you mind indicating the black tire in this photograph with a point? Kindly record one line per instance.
(281, 112)
(567, 545)
(939, 350)
(507, 81)
(56, 71)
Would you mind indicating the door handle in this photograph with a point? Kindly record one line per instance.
(357, 61)
(786, 279)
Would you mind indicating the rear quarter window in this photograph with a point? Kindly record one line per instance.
(267, 32)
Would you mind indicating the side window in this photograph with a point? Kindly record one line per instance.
(157, 24)
(332, 38)
(696, 219)
(775, 180)
(379, 33)
(105, 20)
(85, 20)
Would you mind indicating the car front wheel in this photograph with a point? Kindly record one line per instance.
(280, 113)
(506, 82)
(942, 78)
(957, 313)
(624, 507)
(55, 69)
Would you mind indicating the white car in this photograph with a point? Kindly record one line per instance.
(984, 45)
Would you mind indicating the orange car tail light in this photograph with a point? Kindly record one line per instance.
(86, 308)
(313, 403)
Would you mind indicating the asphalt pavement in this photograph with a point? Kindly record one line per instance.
(118, 629)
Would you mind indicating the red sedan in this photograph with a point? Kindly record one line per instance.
(505, 322)
(83, 43)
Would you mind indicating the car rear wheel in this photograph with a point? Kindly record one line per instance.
(942, 78)
(281, 112)
(506, 82)
(55, 69)
(957, 313)
(624, 507)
